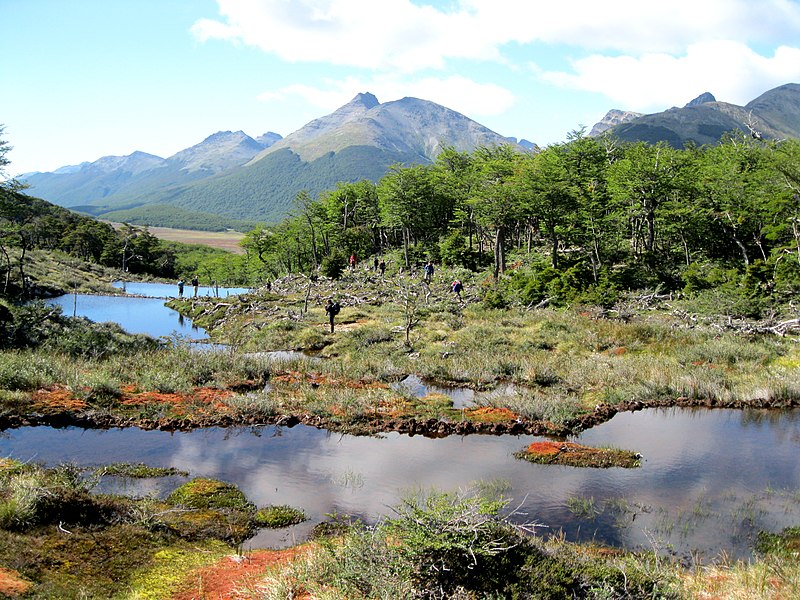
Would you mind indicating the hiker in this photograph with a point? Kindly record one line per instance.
(428, 270)
(382, 267)
(195, 284)
(457, 287)
(332, 309)
(180, 288)
(353, 261)
(375, 264)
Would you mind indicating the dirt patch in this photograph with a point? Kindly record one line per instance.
(225, 578)
(577, 455)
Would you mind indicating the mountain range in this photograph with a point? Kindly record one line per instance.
(232, 179)
(773, 115)
(231, 176)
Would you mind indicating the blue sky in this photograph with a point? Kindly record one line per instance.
(82, 79)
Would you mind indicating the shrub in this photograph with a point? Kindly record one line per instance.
(334, 264)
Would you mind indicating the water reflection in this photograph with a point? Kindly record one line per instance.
(170, 290)
(135, 315)
(462, 397)
(708, 482)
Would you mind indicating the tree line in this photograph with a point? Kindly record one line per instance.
(586, 214)
(577, 221)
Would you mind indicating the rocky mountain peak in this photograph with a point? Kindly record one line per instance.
(365, 99)
(613, 118)
(703, 98)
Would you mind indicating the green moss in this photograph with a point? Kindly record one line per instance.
(169, 568)
(139, 471)
(210, 493)
(786, 543)
(279, 516)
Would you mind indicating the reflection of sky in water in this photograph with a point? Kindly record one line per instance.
(170, 290)
(462, 397)
(135, 315)
(717, 461)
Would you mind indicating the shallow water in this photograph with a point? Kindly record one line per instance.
(462, 397)
(170, 290)
(135, 315)
(710, 479)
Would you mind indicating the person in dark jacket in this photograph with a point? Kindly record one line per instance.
(332, 309)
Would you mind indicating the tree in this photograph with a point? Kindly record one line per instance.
(549, 195)
(495, 197)
(640, 182)
(404, 197)
(736, 181)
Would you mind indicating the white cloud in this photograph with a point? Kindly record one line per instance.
(391, 34)
(729, 70)
(407, 37)
(638, 26)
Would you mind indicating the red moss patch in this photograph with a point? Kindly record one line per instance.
(544, 448)
(12, 585)
(222, 579)
(486, 414)
(198, 400)
(57, 397)
(576, 455)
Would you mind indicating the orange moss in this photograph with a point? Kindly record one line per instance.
(12, 585)
(58, 397)
(201, 400)
(542, 448)
(576, 455)
(487, 414)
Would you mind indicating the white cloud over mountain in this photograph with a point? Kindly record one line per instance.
(640, 53)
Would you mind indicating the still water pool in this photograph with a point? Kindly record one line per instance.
(135, 315)
(709, 480)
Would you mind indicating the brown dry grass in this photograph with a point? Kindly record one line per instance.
(225, 240)
(12, 585)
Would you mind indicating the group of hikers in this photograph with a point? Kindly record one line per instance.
(195, 284)
(332, 308)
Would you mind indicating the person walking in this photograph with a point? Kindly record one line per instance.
(382, 267)
(180, 288)
(332, 309)
(353, 261)
(195, 285)
(428, 270)
(457, 286)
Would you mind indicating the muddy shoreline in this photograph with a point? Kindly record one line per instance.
(432, 428)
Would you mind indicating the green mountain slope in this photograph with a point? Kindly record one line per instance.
(774, 115)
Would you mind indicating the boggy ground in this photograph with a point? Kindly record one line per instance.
(554, 372)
